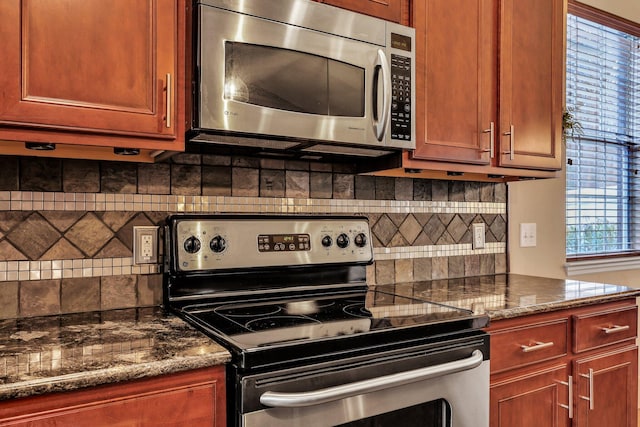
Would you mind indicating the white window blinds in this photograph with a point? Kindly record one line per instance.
(603, 93)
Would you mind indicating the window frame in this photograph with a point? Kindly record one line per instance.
(581, 264)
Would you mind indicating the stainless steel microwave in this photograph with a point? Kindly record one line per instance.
(298, 75)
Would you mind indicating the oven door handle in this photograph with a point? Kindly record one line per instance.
(330, 394)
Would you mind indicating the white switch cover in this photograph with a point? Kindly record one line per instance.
(527, 234)
(145, 244)
(478, 235)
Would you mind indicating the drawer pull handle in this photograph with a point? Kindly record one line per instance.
(537, 346)
(590, 397)
(615, 329)
(168, 120)
(569, 405)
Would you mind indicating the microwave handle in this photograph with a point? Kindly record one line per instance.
(381, 67)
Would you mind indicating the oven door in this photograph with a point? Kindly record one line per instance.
(427, 387)
(268, 78)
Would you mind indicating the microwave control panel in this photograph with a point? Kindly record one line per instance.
(400, 97)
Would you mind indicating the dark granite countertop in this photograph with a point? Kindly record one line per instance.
(503, 296)
(68, 352)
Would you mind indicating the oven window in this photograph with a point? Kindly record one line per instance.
(293, 81)
(436, 413)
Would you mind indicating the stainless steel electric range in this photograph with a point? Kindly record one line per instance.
(311, 343)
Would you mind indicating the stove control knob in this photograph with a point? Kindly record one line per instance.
(342, 241)
(327, 241)
(192, 244)
(218, 244)
(360, 240)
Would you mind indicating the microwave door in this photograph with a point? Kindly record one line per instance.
(266, 78)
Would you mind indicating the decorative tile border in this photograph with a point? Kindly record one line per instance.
(49, 201)
(12, 271)
(434, 251)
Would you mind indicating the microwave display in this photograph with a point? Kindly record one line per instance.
(294, 81)
(401, 42)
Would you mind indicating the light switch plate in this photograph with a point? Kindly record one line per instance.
(528, 235)
(145, 244)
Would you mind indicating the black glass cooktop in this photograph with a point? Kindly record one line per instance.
(268, 322)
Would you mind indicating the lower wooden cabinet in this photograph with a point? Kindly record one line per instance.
(194, 398)
(606, 389)
(576, 367)
(546, 390)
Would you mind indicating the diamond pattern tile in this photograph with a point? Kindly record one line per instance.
(457, 228)
(33, 236)
(384, 230)
(410, 228)
(89, 234)
(499, 228)
(434, 228)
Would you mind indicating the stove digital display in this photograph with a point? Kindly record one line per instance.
(283, 242)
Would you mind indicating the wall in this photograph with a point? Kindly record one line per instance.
(542, 202)
(66, 225)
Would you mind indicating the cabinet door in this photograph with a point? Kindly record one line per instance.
(390, 10)
(531, 83)
(193, 398)
(456, 79)
(531, 400)
(607, 393)
(90, 66)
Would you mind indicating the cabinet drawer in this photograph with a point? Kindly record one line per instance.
(594, 330)
(525, 345)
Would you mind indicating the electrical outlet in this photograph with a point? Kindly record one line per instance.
(145, 244)
(528, 235)
(478, 235)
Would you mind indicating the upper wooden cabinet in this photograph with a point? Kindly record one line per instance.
(489, 86)
(390, 10)
(531, 84)
(93, 72)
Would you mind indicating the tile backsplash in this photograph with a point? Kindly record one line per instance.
(66, 226)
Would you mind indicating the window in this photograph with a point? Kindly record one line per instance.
(603, 94)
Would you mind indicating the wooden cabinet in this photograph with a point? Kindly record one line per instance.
(531, 84)
(390, 10)
(606, 387)
(195, 398)
(574, 367)
(93, 73)
(489, 89)
(512, 399)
